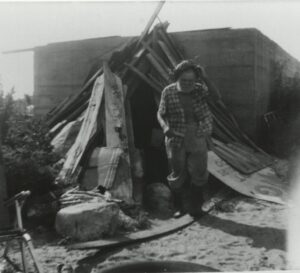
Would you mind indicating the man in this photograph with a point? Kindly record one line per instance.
(186, 121)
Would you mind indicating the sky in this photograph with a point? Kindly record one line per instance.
(31, 24)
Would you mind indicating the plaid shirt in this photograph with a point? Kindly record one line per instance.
(172, 112)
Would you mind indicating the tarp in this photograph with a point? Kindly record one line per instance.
(264, 184)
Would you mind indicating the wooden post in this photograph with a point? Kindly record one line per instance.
(116, 132)
(151, 20)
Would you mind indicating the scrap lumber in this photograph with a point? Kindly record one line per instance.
(158, 67)
(144, 78)
(145, 59)
(168, 53)
(151, 20)
(74, 101)
(166, 227)
(169, 41)
(116, 133)
(87, 130)
(156, 57)
(263, 184)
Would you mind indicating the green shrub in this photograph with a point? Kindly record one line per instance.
(27, 153)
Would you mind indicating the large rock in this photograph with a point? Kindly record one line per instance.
(158, 200)
(88, 221)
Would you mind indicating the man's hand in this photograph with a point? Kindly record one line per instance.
(203, 74)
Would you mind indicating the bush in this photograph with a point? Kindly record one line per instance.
(27, 153)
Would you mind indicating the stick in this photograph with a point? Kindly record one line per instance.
(151, 20)
(144, 78)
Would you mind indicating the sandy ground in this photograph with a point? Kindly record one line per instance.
(252, 237)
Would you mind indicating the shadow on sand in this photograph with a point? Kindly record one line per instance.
(269, 238)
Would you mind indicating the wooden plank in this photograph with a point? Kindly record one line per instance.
(168, 53)
(57, 108)
(151, 20)
(172, 47)
(225, 129)
(69, 107)
(171, 42)
(264, 184)
(251, 155)
(156, 81)
(155, 56)
(245, 159)
(144, 78)
(158, 67)
(77, 112)
(75, 100)
(232, 161)
(225, 119)
(87, 131)
(116, 132)
(157, 230)
(129, 125)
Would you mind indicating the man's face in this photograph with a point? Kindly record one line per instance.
(187, 81)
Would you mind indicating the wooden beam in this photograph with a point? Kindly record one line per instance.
(167, 227)
(171, 44)
(151, 20)
(168, 53)
(158, 67)
(155, 56)
(144, 78)
(74, 100)
(87, 131)
(117, 133)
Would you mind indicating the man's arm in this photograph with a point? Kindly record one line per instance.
(161, 116)
(162, 110)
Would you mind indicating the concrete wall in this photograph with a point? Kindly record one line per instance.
(228, 57)
(268, 55)
(61, 68)
(239, 61)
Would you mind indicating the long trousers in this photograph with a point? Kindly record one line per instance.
(188, 161)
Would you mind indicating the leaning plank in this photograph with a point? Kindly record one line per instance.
(75, 101)
(155, 56)
(158, 67)
(264, 184)
(87, 130)
(144, 78)
(168, 39)
(151, 20)
(156, 231)
(238, 165)
(116, 133)
(168, 53)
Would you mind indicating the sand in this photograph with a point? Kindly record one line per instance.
(251, 237)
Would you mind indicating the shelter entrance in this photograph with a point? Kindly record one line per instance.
(148, 136)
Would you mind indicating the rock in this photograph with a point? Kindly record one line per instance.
(87, 221)
(158, 200)
(126, 222)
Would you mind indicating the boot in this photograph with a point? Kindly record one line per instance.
(208, 201)
(179, 210)
(196, 201)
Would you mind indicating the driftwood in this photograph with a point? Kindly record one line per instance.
(116, 132)
(168, 227)
(87, 130)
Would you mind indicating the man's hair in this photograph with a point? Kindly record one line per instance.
(186, 65)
